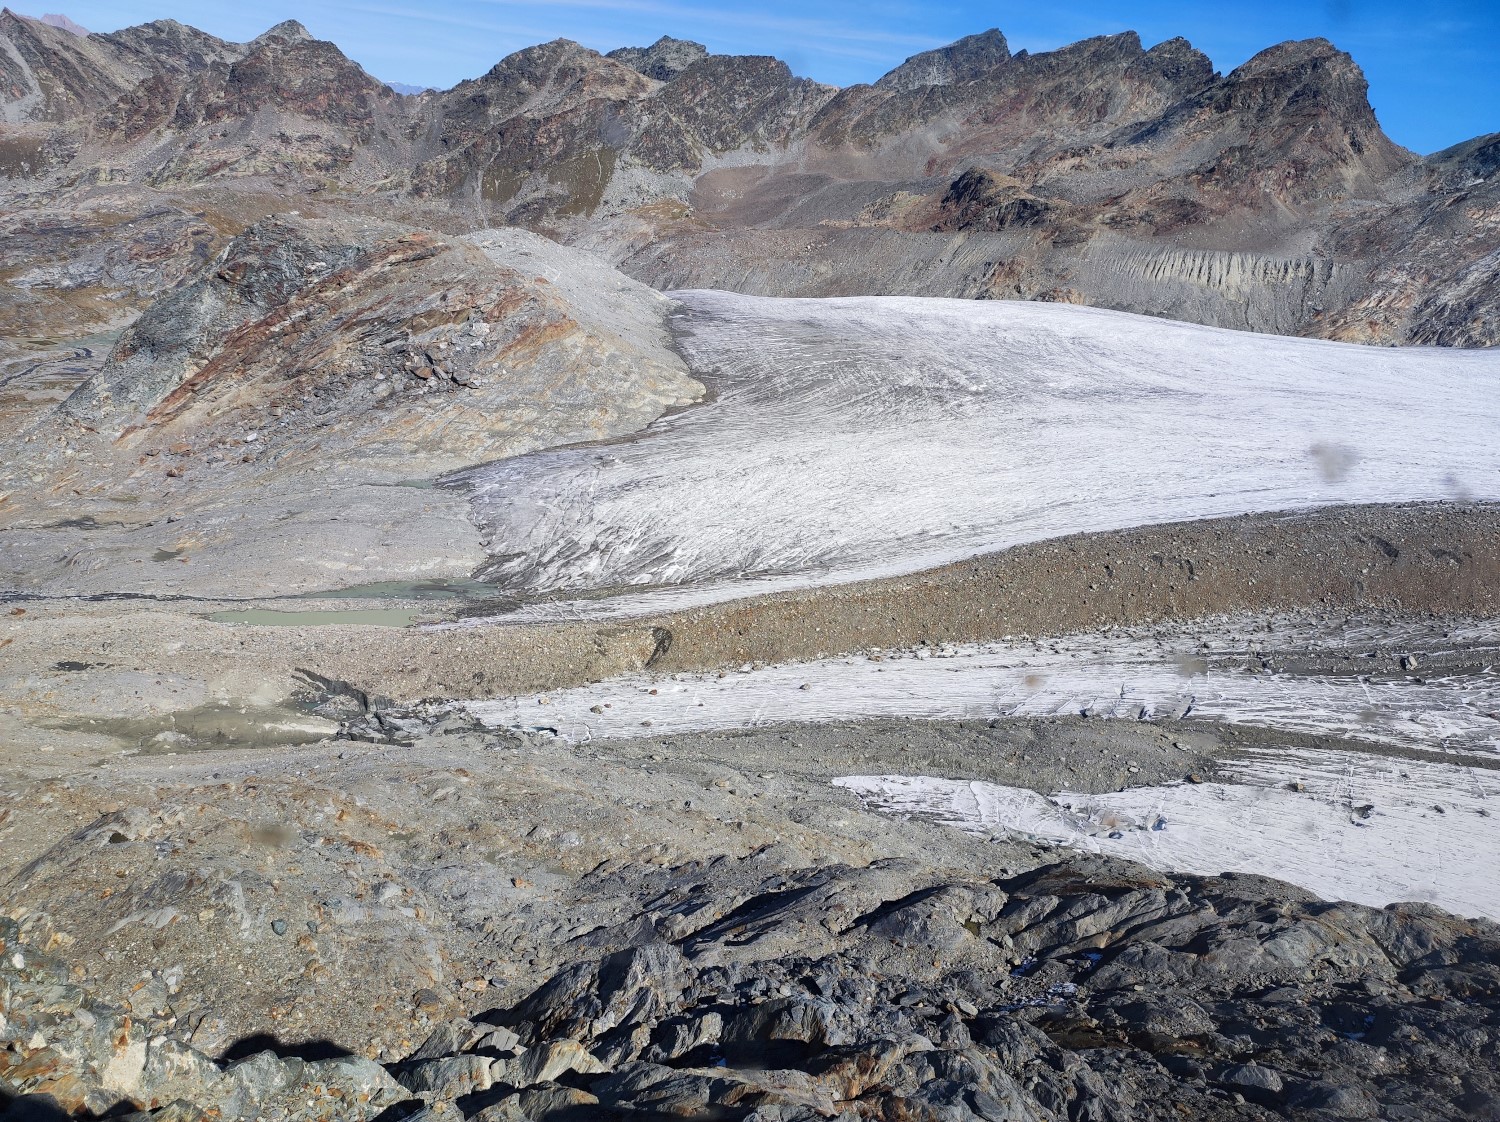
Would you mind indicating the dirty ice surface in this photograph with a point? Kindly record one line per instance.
(1368, 827)
(870, 436)
(1347, 826)
(1133, 675)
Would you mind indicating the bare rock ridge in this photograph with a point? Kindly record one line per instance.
(270, 405)
(964, 61)
(1102, 172)
(664, 59)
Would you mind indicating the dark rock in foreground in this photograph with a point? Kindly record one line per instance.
(1086, 990)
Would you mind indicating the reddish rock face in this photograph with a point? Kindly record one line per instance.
(296, 74)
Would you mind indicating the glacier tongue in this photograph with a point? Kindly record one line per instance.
(872, 436)
(1346, 825)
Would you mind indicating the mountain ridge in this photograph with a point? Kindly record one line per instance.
(1102, 172)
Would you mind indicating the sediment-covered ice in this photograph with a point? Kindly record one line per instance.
(1131, 677)
(1348, 826)
(870, 436)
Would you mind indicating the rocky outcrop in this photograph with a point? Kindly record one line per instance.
(980, 200)
(71, 1054)
(70, 271)
(664, 59)
(381, 343)
(1089, 989)
(967, 60)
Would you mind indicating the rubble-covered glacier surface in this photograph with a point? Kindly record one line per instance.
(869, 436)
(1412, 818)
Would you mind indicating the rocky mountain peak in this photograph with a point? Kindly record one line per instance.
(1294, 122)
(1311, 83)
(549, 78)
(1181, 61)
(63, 23)
(1291, 54)
(664, 59)
(1307, 76)
(288, 29)
(307, 77)
(167, 47)
(551, 63)
(963, 61)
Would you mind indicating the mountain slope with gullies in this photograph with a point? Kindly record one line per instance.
(1102, 173)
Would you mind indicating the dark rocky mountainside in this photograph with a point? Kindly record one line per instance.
(1101, 173)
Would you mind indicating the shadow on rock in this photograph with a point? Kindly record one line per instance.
(30, 1108)
(306, 1050)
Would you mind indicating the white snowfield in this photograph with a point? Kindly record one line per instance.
(872, 436)
(1347, 826)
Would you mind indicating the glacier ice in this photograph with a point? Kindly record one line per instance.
(870, 436)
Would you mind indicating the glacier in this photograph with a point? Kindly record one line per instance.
(876, 436)
(1167, 676)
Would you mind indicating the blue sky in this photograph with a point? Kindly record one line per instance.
(1434, 69)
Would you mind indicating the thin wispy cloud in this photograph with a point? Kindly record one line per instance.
(532, 33)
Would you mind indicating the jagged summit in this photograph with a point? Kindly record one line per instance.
(664, 59)
(286, 29)
(967, 59)
(63, 23)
